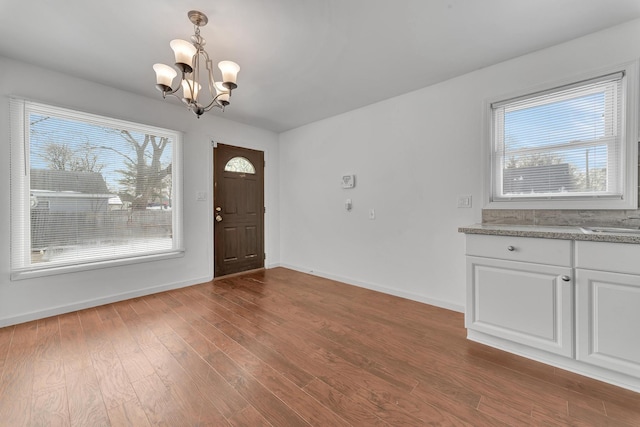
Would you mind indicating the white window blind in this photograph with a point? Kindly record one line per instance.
(88, 190)
(564, 143)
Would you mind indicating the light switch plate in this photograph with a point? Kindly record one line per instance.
(348, 181)
(464, 201)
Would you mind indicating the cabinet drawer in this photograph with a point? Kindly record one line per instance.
(616, 257)
(539, 251)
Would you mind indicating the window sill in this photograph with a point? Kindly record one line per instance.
(65, 269)
(565, 204)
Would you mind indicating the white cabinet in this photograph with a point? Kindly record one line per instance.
(571, 304)
(608, 306)
(521, 290)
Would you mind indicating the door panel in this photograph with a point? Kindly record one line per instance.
(251, 238)
(230, 244)
(525, 303)
(251, 205)
(608, 319)
(239, 205)
(233, 188)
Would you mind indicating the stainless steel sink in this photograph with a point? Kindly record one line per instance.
(619, 230)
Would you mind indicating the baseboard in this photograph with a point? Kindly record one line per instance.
(379, 288)
(568, 364)
(81, 305)
(273, 265)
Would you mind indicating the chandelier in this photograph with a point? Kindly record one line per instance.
(190, 58)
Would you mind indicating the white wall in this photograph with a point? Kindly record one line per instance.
(412, 155)
(39, 297)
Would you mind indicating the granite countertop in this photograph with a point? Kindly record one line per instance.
(554, 232)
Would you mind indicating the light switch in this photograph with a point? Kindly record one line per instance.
(201, 196)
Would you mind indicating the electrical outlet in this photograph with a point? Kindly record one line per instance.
(348, 205)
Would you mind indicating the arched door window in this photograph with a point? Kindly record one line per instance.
(239, 164)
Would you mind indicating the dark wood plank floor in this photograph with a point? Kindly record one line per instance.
(281, 348)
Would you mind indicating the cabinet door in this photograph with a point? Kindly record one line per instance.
(608, 320)
(526, 303)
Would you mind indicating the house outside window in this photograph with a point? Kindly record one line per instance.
(572, 146)
(89, 191)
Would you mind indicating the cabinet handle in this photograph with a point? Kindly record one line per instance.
(511, 248)
(566, 278)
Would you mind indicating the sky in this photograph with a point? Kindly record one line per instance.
(77, 134)
(568, 122)
(577, 119)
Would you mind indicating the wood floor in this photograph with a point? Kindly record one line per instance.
(282, 348)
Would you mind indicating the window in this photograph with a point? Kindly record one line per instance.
(566, 147)
(90, 191)
(239, 164)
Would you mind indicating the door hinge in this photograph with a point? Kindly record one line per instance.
(265, 164)
(264, 209)
(265, 256)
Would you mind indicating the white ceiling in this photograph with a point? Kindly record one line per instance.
(301, 60)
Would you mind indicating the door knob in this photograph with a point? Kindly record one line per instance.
(218, 209)
(218, 218)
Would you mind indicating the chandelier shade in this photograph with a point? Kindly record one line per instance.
(184, 53)
(196, 72)
(164, 76)
(229, 73)
(190, 89)
(222, 93)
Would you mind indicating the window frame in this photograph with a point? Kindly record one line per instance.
(628, 150)
(21, 266)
